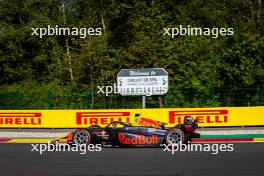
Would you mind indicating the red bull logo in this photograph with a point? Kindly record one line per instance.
(203, 116)
(137, 140)
(20, 118)
(101, 118)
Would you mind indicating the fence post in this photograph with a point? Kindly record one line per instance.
(50, 104)
(212, 93)
(18, 97)
(166, 101)
(123, 102)
(257, 94)
(86, 97)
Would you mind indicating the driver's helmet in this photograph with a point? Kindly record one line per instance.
(188, 120)
(137, 117)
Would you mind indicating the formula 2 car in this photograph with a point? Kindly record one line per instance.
(122, 134)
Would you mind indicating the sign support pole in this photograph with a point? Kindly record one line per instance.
(143, 102)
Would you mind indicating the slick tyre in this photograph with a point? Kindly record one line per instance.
(82, 137)
(175, 136)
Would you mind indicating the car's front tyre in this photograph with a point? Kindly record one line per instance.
(82, 137)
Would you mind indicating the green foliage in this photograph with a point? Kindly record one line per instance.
(132, 38)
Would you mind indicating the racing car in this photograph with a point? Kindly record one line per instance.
(121, 134)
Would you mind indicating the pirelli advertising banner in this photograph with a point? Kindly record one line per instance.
(207, 117)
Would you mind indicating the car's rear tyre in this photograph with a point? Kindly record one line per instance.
(82, 137)
(175, 136)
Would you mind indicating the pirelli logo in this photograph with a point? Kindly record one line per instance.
(16, 118)
(101, 118)
(203, 116)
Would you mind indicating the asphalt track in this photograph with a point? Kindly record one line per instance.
(17, 159)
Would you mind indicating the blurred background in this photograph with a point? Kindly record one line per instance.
(63, 72)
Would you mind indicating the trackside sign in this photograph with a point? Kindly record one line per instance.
(146, 81)
(104, 118)
(19, 118)
(207, 117)
(203, 116)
